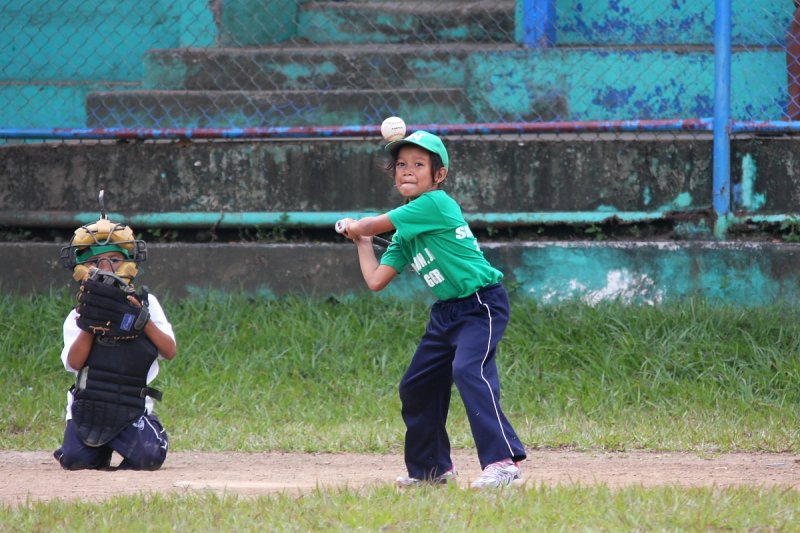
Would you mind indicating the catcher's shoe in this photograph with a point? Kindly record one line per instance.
(442, 479)
(496, 475)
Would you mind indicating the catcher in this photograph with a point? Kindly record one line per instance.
(113, 340)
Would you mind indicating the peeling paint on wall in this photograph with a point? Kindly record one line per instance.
(653, 273)
(621, 285)
(682, 201)
(744, 193)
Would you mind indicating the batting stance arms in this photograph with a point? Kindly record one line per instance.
(361, 231)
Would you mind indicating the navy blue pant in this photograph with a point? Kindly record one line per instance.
(458, 346)
(143, 446)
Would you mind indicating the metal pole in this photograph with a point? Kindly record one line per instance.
(722, 96)
(535, 23)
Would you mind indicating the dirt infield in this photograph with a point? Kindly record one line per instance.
(36, 475)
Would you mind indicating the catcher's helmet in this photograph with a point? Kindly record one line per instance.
(99, 237)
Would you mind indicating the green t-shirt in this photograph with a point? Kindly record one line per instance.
(433, 237)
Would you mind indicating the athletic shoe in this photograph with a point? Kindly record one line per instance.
(442, 479)
(500, 474)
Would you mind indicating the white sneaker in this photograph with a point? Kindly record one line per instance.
(500, 474)
(442, 479)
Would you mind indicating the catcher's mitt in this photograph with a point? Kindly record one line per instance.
(105, 310)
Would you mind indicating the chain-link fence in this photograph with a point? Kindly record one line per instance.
(300, 63)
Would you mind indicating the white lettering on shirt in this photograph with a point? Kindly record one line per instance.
(463, 232)
(422, 259)
(433, 278)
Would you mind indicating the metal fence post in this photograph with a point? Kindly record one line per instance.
(535, 27)
(722, 96)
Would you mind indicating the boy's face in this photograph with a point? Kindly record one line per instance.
(105, 261)
(413, 172)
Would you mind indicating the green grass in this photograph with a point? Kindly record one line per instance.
(570, 508)
(293, 374)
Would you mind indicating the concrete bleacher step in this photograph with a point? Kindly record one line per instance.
(237, 109)
(355, 62)
(366, 66)
(404, 22)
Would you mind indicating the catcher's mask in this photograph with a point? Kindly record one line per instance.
(100, 237)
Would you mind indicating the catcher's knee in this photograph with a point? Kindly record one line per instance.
(82, 461)
(143, 463)
(147, 455)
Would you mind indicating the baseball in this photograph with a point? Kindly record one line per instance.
(393, 128)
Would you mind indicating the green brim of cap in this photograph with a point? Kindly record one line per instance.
(91, 251)
(423, 139)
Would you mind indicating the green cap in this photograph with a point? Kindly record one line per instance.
(424, 139)
(83, 255)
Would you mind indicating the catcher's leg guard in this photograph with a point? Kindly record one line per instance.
(143, 444)
(75, 455)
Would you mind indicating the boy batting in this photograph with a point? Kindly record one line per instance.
(465, 326)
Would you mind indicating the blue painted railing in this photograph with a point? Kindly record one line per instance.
(535, 23)
(722, 103)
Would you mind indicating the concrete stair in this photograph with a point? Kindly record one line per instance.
(353, 63)
(384, 69)
(325, 67)
(234, 109)
(490, 21)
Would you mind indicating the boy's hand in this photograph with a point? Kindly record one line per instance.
(342, 225)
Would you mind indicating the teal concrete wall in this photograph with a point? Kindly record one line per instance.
(750, 274)
(620, 85)
(54, 53)
(92, 40)
(257, 22)
(676, 22)
(577, 22)
(46, 105)
(653, 273)
(513, 86)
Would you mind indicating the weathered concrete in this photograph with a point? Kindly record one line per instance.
(614, 60)
(509, 174)
(610, 22)
(236, 109)
(399, 22)
(747, 274)
(490, 84)
(298, 67)
(616, 83)
(93, 40)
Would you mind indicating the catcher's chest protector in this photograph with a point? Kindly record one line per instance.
(109, 392)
